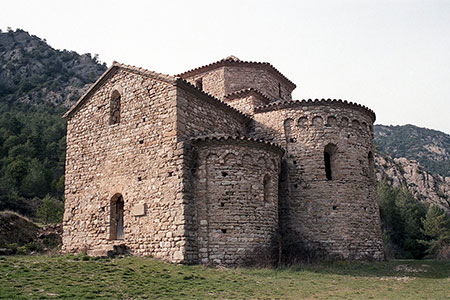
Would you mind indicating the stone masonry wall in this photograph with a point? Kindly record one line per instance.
(242, 77)
(197, 188)
(200, 115)
(245, 103)
(337, 217)
(225, 80)
(136, 158)
(236, 199)
(212, 81)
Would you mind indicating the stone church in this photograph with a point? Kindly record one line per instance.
(218, 165)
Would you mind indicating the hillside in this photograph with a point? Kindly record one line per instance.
(430, 148)
(426, 187)
(20, 235)
(35, 73)
(38, 83)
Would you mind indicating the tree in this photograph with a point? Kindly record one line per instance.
(35, 182)
(392, 224)
(50, 211)
(436, 226)
(400, 216)
(17, 169)
(411, 211)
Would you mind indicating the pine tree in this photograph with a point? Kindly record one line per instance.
(436, 226)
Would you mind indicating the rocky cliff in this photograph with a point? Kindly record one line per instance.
(416, 158)
(33, 72)
(430, 148)
(426, 187)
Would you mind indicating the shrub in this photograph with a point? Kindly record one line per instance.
(50, 211)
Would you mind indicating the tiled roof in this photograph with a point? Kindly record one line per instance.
(159, 76)
(141, 71)
(283, 104)
(226, 138)
(111, 71)
(234, 61)
(214, 99)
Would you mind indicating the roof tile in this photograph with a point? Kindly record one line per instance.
(287, 103)
(233, 60)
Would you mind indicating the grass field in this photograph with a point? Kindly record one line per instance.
(81, 277)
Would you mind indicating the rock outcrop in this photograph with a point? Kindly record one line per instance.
(33, 72)
(426, 187)
(430, 148)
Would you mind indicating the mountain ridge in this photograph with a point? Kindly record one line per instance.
(33, 73)
(431, 148)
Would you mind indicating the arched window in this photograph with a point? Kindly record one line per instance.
(329, 157)
(114, 108)
(116, 217)
(267, 183)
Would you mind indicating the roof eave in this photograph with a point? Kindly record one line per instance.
(227, 62)
(93, 87)
(185, 84)
(111, 71)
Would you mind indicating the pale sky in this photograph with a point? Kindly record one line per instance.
(390, 55)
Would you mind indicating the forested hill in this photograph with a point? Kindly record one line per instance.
(33, 72)
(430, 148)
(37, 85)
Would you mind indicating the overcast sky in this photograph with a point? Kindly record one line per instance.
(390, 55)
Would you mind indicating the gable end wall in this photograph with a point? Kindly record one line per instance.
(136, 158)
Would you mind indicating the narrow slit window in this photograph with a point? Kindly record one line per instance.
(199, 83)
(279, 90)
(329, 157)
(114, 108)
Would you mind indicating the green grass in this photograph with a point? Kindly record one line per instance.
(80, 277)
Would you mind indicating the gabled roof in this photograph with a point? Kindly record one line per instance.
(234, 61)
(154, 75)
(110, 72)
(184, 83)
